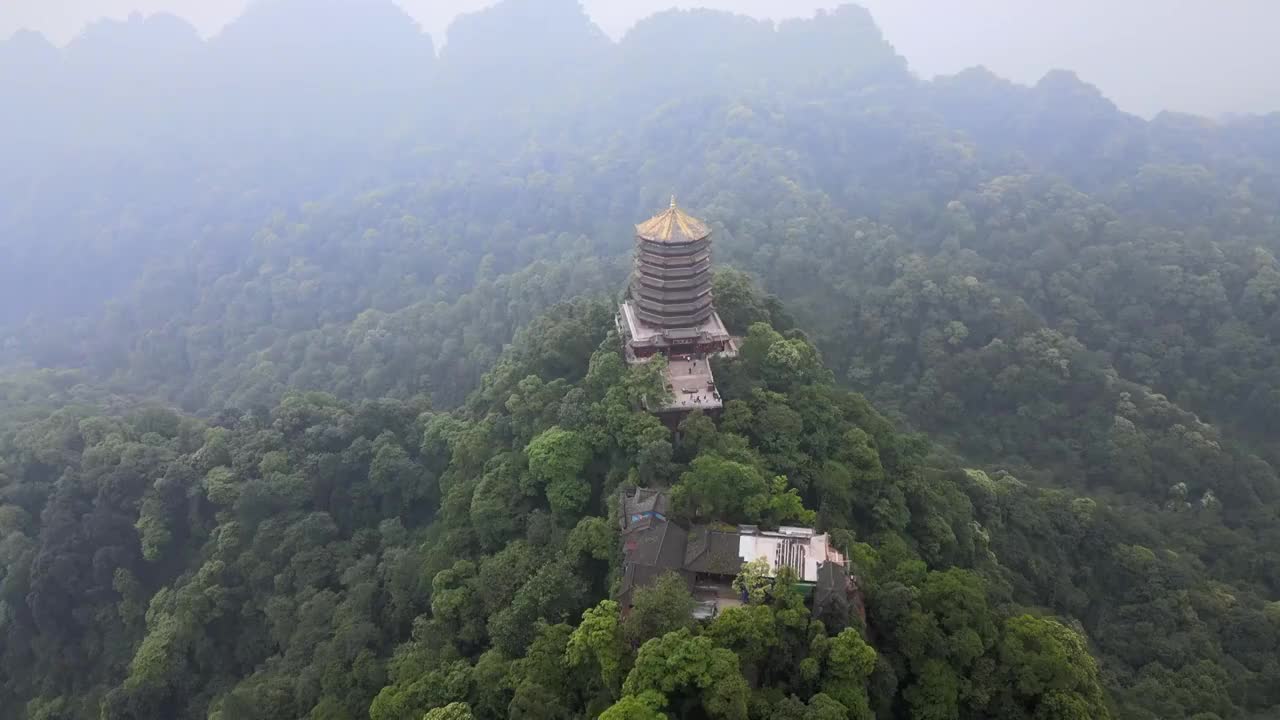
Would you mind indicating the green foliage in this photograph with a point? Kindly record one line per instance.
(749, 631)
(598, 641)
(452, 711)
(593, 538)
(658, 609)
(825, 707)
(318, 552)
(645, 707)
(849, 663)
(785, 506)
(722, 489)
(1048, 668)
(556, 461)
(679, 665)
(754, 579)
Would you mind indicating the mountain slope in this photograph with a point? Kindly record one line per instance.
(266, 565)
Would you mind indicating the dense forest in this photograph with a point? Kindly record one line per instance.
(311, 406)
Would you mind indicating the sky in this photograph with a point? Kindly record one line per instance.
(1203, 56)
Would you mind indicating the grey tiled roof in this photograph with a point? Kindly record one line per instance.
(712, 551)
(833, 583)
(661, 545)
(641, 500)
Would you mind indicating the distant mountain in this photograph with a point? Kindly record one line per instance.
(331, 64)
(118, 81)
(524, 34)
(1054, 124)
(285, 67)
(844, 44)
(346, 42)
(132, 44)
(138, 71)
(526, 58)
(24, 52)
(682, 50)
(363, 72)
(29, 65)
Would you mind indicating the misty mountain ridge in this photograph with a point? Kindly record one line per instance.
(353, 90)
(376, 33)
(357, 68)
(368, 62)
(525, 31)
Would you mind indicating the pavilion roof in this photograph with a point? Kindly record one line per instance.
(673, 226)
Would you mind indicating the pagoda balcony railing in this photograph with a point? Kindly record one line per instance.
(673, 250)
(669, 284)
(673, 309)
(686, 334)
(674, 321)
(671, 296)
(673, 273)
(673, 262)
(658, 272)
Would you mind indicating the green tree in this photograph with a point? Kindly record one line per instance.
(557, 459)
(850, 661)
(749, 631)
(825, 707)
(719, 489)
(754, 579)
(646, 706)
(598, 642)
(694, 668)
(658, 609)
(452, 711)
(1044, 665)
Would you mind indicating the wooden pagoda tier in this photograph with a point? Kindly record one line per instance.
(671, 284)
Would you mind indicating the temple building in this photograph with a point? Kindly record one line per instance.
(669, 310)
(707, 557)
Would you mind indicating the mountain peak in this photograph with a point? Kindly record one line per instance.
(26, 52)
(25, 38)
(323, 24)
(506, 31)
(138, 30)
(1065, 81)
(296, 39)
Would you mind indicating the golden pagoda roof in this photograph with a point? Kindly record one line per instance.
(672, 226)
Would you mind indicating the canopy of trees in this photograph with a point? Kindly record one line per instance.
(330, 559)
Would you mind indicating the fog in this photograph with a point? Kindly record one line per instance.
(1196, 56)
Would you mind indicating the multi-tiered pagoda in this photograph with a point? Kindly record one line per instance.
(669, 310)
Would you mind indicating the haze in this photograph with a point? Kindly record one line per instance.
(1195, 56)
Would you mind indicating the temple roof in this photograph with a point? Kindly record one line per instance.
(642, 500)
(713, 551)
(672, 226)
(662, 544)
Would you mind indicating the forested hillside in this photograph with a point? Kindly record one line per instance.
(329, 559)
(249, 466)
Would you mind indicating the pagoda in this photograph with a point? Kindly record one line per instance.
(669, 310)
